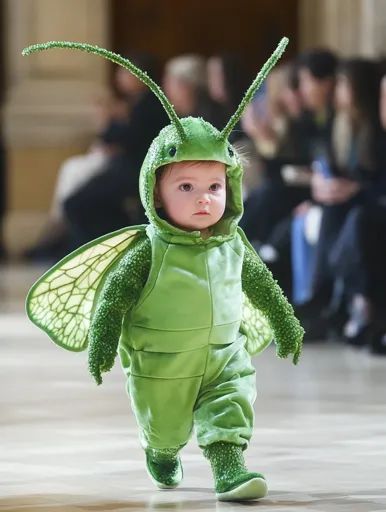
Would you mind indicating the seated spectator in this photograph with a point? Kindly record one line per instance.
(382, 105)
(110, 113)
(276, 124)
(185, 83)
(272, 119)
(316, 74)
(345, 186)
(110, 200)
(228, 80)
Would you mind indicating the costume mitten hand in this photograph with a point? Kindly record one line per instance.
(101, 358)
(297, 352)
(285, 349)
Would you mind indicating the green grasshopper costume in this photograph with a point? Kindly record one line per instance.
(185, 313)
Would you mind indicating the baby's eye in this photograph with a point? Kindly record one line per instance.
(215, 187)
(186, 187)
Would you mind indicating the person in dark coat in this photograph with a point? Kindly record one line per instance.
(110, 200)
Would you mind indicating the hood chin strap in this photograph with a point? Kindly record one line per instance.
(254, 87)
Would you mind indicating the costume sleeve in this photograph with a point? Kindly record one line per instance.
(267, 296)
(119, 293)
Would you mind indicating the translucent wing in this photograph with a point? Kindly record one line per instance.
(61, 301)
(256, 328)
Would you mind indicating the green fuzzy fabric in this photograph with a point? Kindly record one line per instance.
(228, 466)
(268, 298)
(164, 467)
(120, 292)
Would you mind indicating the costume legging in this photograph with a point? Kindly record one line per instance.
(211, 389)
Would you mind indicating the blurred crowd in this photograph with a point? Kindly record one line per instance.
(319, 217)
(314, 149)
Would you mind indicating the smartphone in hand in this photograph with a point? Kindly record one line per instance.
(321, 166)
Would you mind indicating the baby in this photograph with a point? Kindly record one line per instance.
(181, 344)
(184, 300)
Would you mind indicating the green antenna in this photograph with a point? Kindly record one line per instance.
(121, 61)
(254, 87)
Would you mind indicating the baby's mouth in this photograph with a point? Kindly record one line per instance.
(202, 213)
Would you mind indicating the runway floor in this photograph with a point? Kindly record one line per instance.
(67, 445)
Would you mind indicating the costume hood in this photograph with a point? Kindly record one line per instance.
(203, 142)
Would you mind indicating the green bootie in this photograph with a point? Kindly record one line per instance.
(233, 482)
(164, 467)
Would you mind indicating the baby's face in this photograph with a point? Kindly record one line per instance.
(193, 194)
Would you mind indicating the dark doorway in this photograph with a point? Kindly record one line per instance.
(171, 27)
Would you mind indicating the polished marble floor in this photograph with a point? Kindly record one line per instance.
(67, 445)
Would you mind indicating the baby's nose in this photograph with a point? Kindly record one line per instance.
(203, 199)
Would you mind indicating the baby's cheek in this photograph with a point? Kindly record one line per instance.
(221, 206)
(177, 210)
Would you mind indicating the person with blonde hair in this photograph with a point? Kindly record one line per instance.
(185, 83)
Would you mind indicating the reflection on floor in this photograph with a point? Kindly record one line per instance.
(68, 445)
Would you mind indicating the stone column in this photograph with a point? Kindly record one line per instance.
(49, 94)
(373, 33)
(350, 27)
(47, 114)
(330, 24)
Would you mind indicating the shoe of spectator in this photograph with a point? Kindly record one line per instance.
(336, 318)
(378, 343)
(359, 338)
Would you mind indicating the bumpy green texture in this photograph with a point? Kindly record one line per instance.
(164, 467)
(270, 300)
(228, 466)
(120, 292)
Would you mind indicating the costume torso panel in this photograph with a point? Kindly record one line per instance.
(193, 297)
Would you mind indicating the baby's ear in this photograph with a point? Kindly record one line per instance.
(157, 198)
